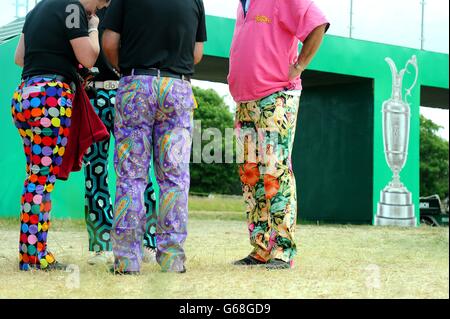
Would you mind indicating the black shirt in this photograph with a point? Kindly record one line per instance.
(158, 33)
(47, 37)
(105, 69)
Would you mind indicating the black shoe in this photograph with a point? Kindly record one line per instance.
(55, 266)
(276, 264)
(248, 261)
(114, 271)
(181, 271)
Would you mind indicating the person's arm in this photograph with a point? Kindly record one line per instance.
(200, 37)
(113, 24)
(198, 52)
(87, 49)
(19, 57)
(111, 47)
(304, 20)
(310, 47)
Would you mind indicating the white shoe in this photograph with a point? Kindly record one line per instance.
(101, 258)
(149, 255)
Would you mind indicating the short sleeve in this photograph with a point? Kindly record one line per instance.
(201, 29)
(300, 17)
(75, 21)
(114, 16)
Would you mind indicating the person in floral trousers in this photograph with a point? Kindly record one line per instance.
(264, 79)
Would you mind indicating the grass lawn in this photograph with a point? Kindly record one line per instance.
(333, 262)
(233, 206)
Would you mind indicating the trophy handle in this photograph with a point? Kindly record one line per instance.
(394, 72)
(413, 62)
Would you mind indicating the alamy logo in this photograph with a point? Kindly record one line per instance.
(73, 19)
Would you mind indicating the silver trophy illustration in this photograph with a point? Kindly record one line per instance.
(396, 206)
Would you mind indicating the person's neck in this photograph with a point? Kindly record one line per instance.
(84, 3)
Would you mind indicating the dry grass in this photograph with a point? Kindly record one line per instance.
(217, 203)
(333, 262)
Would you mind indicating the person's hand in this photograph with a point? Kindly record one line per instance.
(294, 72)
(93, 22)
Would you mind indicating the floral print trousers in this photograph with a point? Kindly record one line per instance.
(153, 115)
(265, 135)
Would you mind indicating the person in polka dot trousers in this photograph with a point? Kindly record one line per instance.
(49, 51)
(42, 109)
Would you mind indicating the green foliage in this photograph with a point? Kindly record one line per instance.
(218, 178)
(433, 160)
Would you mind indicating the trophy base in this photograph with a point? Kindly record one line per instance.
(396, 209)
(382, 221)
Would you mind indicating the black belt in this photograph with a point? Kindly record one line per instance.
(156, 72)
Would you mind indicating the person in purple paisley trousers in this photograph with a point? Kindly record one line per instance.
(154, 109)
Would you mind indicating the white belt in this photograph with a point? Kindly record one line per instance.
(106, 85)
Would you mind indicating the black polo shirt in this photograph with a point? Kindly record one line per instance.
(47, 38)
(105, 69)
(158, 33)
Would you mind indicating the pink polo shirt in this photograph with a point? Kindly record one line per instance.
(266, 42)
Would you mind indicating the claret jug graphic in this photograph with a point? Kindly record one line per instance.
(396, 206)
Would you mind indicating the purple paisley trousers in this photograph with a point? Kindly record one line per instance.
(153, 117)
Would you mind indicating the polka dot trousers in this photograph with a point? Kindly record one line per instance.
(41, 109)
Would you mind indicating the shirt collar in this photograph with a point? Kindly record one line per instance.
(245, 5)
